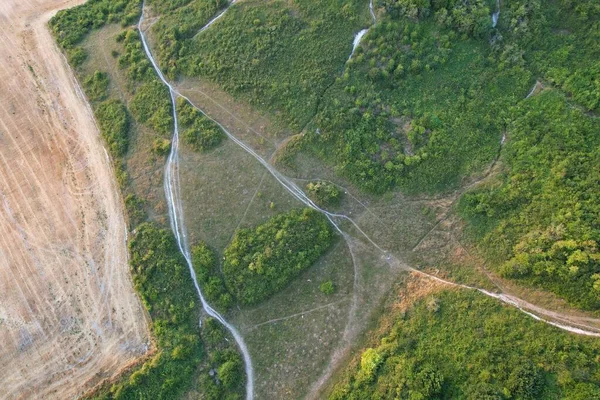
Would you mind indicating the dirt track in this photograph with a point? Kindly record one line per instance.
(68, 313)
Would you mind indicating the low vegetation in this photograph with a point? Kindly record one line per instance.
(96, 86)
(180, 21)
(186, 356)
(327, 288)
(161, 277)
(463, 345)
(421, 103)
(261, 261)
(223, 375)
(425, 101)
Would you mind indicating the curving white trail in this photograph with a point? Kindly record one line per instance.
(358, 37)
(176, 217)
(293, 189)
(518, 304)
(372, 11)
(535, 85)
(212, 21)
(496, 14)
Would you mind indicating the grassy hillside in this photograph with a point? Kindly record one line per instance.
(425, 353)
(539, 220)
(280, 56)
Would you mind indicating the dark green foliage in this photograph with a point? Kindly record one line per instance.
(96, 86)
(261, 261)
(562, 39)
(161, 278)
(223, 376)
(472, 347)
(209, 277)
(114, 126)
(230, 372)
(417, 108)
(227, 378)
(134, 60)
(199, 132)
(468, 17)
(525, 381)
(72, 25)
(76, 56)
(324, 194)
(150, 104)
(540, 222)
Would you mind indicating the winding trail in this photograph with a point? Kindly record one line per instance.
(358, 37)
(496, 14)
(172, 191)
(212, 21)
(176, 217)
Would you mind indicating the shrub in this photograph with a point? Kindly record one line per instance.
(96, 86)
(324, 194)
(161, 147)
(327, 288)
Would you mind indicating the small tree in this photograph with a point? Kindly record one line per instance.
(327, 287)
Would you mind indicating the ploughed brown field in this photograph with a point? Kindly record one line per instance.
(68, 314)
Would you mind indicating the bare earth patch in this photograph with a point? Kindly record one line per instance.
(68, 316)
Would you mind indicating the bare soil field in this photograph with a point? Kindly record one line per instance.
(68, 315)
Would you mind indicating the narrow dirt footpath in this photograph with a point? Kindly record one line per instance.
(68, 314)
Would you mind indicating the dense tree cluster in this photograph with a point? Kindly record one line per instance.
(389, 122)
(72, 25)
(468, 17)
(425, 354)
(161, 278)
(540, 222)
(223, 378)
(150, 103)
(199, 132)
(96, 86)
(261, 261)
(210, 278)
(114, 126)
